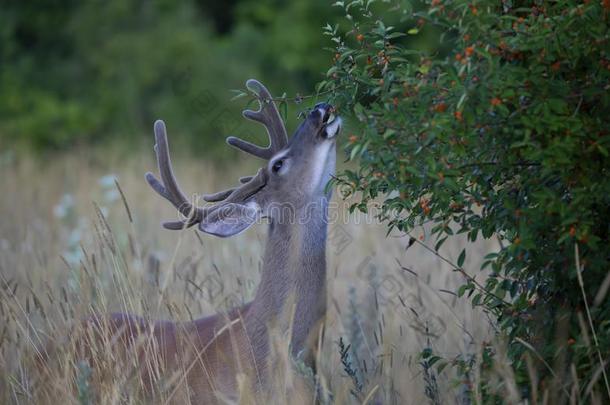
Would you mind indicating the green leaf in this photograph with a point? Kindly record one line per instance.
(238, 94)
(461, 101)
(441, 366)
(433, 360)
(440, 243)
(424, 69)
(461, 258)
(413, 31)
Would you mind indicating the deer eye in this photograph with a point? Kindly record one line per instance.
(277, 165)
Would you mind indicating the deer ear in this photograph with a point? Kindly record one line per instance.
(230, 219)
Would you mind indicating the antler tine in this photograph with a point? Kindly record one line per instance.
(219, 196)
(248, 188)
(168, 186)
(222, 195)
(249, 185)
(269, 116)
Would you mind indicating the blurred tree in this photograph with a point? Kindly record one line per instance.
(99, 70)
(222, 13)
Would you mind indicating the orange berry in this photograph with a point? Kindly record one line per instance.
(458, 115)
(469, 51)
(440, 107)
(467, 37)
(474, 10)
(556, 66)
(423, 203)
(352, 139)
(571, 341)
(360, 37)
(458, 56)
(517, 241)
(572, 231)
(496, 101)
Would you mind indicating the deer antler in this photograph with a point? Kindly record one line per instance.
(169, 189)
(269, 116)
(168, 186)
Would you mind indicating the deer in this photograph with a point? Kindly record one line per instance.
(219, 355)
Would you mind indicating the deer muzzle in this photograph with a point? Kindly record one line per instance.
(330, 123)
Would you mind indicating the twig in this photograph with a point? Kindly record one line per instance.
(517, 164)
(461, 271)
(298, 98)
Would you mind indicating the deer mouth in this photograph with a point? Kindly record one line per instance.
(331, 123)
(332, 126)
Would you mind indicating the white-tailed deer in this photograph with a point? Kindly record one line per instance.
(289, 190)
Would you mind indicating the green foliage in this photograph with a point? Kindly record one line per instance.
(431, 386)
(501, 130)
(105, 70)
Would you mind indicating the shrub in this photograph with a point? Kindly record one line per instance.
(501, 131)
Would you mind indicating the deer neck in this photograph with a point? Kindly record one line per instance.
(292, 292)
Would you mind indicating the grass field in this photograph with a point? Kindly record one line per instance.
(70, 244)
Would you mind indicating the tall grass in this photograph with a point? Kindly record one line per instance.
(80, 234)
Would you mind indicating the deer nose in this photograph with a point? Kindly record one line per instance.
(322, 111)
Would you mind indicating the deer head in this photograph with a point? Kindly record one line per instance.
(295, 173)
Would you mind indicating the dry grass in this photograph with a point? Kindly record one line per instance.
(68, 247)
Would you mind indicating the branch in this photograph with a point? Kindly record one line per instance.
(460, 270)
(517, 164)
(298, 98)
